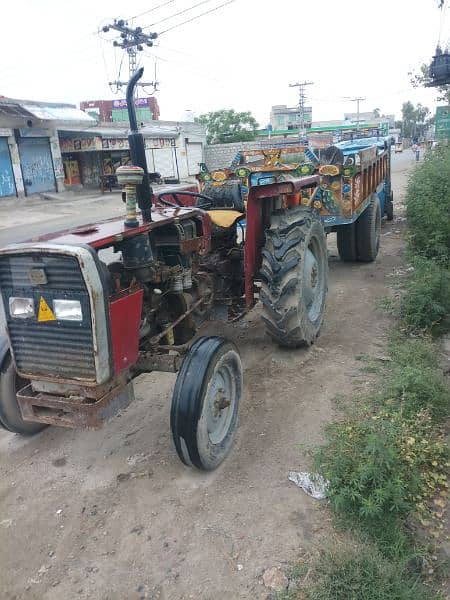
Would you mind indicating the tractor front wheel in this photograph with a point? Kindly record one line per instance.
(294, 277)
(10, 415)
(205, 403)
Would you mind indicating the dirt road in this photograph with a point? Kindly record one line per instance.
(114, 514)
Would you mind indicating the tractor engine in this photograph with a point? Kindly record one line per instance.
(162, 263)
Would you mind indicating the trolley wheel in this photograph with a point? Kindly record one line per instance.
(368, 231)
(346, 242)
(390, 207)
(205, 403)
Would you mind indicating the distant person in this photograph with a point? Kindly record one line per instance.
(416, 149)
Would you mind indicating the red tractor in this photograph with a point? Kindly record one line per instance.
(82, 323)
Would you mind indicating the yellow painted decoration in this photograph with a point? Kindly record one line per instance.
(317, 204)
(45, 312)
(225, 218)
(329, 170)
(219, 175)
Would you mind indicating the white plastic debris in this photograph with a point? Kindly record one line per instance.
(312, 484)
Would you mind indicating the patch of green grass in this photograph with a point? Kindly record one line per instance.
(298, 571)
(362, 573)
(425, 302)
(414, 380)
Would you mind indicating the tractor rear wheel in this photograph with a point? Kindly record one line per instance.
(368, 231)
(205, 403)
(294, 277)
(10, 415)
(346, 242)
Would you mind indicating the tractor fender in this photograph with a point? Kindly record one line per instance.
(4, 347)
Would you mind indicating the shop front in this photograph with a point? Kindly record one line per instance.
(81, 157)
(36, 161)
(7, 182)
(91, 159)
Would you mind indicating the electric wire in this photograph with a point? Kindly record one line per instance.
(151, 9)
(181, 12)
(197, 17)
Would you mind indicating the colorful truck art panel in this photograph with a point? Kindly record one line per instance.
(341, 192)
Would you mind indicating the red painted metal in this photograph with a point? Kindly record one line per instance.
(125, 316)
(103, 234)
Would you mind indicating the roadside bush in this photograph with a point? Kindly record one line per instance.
(388, 462)
(425, 304)
(362, 573)
(428, 206)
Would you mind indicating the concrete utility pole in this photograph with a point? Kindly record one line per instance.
(301, 103)
(133, 41)
(357, 100)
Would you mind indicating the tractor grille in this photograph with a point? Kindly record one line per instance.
(51, 348)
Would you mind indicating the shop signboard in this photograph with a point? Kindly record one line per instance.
(155, 143)
(80, 144)
(442, 123)
(138, 102)
(115, 144)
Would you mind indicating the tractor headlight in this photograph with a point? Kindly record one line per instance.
(21, 308)
(67, 310)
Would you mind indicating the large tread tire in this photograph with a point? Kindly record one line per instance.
(203, 430)
(10, 415)
(292, 310)
(368, 231)
(346, 242)
(390, 207)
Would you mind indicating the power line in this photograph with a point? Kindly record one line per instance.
(151, 9)
(181, 12)
(197, 17)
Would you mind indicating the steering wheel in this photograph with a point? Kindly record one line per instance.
(202, 201)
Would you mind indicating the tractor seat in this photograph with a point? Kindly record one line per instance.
(225, 218)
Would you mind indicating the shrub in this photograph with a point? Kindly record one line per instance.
(428, 206)
(425, 304)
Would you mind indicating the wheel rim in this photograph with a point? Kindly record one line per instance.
(220, 400)
(313, 288)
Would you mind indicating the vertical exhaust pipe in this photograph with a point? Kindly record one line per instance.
(144, 191)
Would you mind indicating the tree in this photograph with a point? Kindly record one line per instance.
(423, 79)
(408, 119)
(414, 120)
(224, 126)
(376, 113)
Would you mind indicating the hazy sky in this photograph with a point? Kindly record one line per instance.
(242, 56)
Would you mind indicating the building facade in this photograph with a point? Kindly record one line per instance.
(172, 149)
(115, 111)
(283, 117)
(30, 157)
